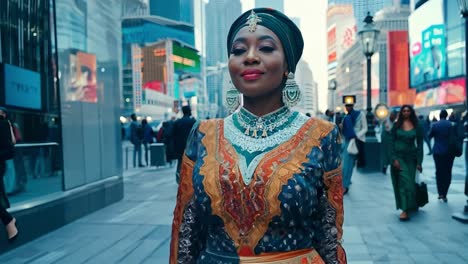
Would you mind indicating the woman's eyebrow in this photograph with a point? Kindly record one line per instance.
(263, 37)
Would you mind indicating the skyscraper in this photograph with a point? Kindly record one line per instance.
(361, 7)
(275, 4)
(178, 10)
(219, 16)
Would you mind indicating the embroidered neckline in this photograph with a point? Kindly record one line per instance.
(246, 146)
(267, 124)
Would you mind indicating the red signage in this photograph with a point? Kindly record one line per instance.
(399, 92)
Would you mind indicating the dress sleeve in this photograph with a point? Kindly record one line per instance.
(187, 229)
(330, 214)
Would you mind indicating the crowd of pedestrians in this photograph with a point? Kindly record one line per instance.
(173, 134)
(402, 135)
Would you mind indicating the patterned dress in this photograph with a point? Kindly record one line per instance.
(243, 195)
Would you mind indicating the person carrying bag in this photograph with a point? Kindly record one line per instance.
(7, 152)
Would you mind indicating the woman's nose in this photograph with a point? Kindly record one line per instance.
(251, 56)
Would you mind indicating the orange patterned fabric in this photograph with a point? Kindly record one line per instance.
(305, 256)
(334, 186)
(246, 210)
(184, 195)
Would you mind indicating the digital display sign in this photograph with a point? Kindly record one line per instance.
(22, 87)
(427, 45)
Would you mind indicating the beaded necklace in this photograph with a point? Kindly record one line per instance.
(265, 125)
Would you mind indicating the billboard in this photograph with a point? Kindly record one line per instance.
(22, 87)
(428, 55)
(82, 83)
(447, 92)
(399, 92)
(186, 70)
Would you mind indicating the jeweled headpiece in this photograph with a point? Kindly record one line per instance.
(252, 21)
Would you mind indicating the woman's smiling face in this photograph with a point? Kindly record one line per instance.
(257, 62)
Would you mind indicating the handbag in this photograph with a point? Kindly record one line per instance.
(422, 198)
(352, 147)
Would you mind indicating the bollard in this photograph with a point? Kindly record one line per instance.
(126, 158)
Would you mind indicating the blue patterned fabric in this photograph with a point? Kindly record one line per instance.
(307, 217)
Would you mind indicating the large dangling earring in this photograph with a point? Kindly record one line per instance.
(232, 98)
(291, 92)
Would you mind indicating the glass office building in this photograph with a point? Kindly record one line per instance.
(60, 82)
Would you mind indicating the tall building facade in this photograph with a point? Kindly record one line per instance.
(178, 10)
(308, 86)
(157, 99)
(59, 64)
(341, 35)
(220, 14)
(275, 4)
(361, 7)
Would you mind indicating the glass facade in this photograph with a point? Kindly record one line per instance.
(68, 66)
(88, 47)
(455, 29)
(177, 10)
(28, 70)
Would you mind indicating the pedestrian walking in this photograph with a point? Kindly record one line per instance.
(180, 133)
(136, 137)
(407, 157)
(169, 140)
(148, 136)
(354, 128)
(386, 142)
(443, 159)
(262, 185)
(427, 129)
(7, 142)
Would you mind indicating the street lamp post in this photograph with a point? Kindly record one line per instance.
(332, 88)
(368, 38)
(463, 217)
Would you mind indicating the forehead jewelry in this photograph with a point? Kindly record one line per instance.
(252, 21)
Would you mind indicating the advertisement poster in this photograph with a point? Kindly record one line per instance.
(82, 86)
(428, 55)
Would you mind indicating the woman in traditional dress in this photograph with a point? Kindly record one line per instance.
(264, 184)
(407, 156)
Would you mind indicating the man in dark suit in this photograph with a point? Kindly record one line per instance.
(181, 131)
(443, 159)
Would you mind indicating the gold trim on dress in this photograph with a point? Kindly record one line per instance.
(305, 256)
(276, 174)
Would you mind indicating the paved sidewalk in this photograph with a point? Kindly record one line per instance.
(137, 229)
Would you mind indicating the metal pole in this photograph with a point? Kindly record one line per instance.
(370, 117)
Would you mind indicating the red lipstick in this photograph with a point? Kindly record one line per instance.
(251, 74)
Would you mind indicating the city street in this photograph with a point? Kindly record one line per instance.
(137, 229)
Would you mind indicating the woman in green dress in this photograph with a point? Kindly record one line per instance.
(407, 156)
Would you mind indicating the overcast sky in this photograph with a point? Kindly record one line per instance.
(313, 26)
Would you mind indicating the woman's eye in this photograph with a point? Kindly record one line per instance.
(237, 51)
(267, 49)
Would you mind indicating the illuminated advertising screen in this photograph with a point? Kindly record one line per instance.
(22, 87)
(186, 70)
(428, 55)
(82, 84)
(447, 92)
